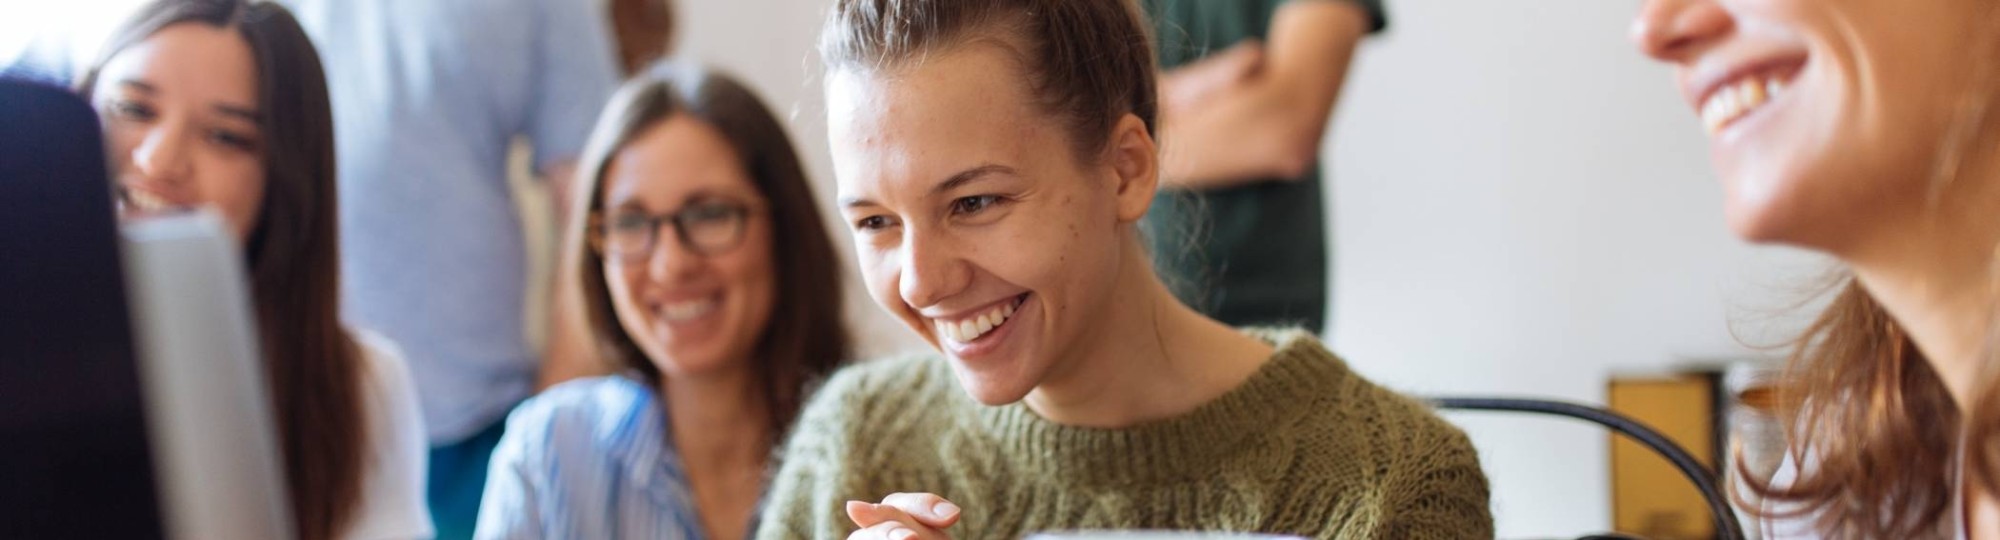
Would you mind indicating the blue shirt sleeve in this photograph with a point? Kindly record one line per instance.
(511, 506)
(576, 72)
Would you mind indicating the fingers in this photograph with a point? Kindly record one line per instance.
(896, 530)
(866, 514)
(929, 509)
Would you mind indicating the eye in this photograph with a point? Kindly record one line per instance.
(966, 206)
(627, 222)
(708, 213)
(132, 110)
(872, 223)
(233, 140)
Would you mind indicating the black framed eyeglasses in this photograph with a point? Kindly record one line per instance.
(705, 228)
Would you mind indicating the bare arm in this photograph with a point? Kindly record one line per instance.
(1268, 122)
(570, 353)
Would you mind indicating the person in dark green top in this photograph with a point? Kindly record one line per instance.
(1239, 231)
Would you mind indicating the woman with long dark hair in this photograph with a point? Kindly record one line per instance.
(221, 104)
(706, 277)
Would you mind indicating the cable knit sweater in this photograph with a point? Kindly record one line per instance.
(1304, 447)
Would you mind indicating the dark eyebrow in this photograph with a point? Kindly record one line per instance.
(247, 114)
(956, 180)
(969, 175)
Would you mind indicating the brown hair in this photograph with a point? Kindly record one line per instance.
(293, 256)
(1089, 62)
(1870, 423)
(805, 339)
(1871, 428)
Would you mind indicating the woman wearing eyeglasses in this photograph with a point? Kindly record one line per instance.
(709, 282)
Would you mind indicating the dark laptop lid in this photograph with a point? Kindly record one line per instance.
(74, 457)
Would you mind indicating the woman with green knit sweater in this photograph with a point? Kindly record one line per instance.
(992, 159)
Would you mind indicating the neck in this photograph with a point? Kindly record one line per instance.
(719, 420)
(1147, 358)
(1936, 274)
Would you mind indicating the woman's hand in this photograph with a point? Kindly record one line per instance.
(903, 516)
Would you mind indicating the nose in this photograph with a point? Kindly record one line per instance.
(1674, 31)
(932, 270)
(670, 258)
(162, 155)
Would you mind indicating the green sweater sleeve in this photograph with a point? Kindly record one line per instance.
(1439, 491)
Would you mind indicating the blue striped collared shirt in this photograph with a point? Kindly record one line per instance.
(592, 459)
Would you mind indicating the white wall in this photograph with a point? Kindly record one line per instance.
(1522, 206)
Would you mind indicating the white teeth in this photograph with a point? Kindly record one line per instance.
(969, 329)
(681, 311)
(1733, 101)
(146, 202)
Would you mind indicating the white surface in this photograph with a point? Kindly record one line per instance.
(1522, 205)
(214, 439)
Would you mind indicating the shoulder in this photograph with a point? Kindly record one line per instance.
(593, 408)
(1349, 400)
(385, 382)
(1353, 417)
(1423, 470)
(880, 395)
(393, 486)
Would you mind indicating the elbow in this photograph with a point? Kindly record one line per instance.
(1295, 156)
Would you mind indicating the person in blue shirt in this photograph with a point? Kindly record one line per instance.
(708, 280)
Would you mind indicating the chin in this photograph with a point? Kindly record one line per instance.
(1756, 227)
(990, 389)
(1796, 218)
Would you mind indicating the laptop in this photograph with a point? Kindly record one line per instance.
(132, 400)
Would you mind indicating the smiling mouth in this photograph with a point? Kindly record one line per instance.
(687, 310)
(1737, 98)
(970, 329)
(147, 202)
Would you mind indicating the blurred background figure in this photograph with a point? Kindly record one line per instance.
(428, 97)
(645, 32)
(221, 104)
(711, 284)
(1240, 232)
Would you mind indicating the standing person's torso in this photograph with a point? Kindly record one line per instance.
(428, 95)
(1254, 254)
